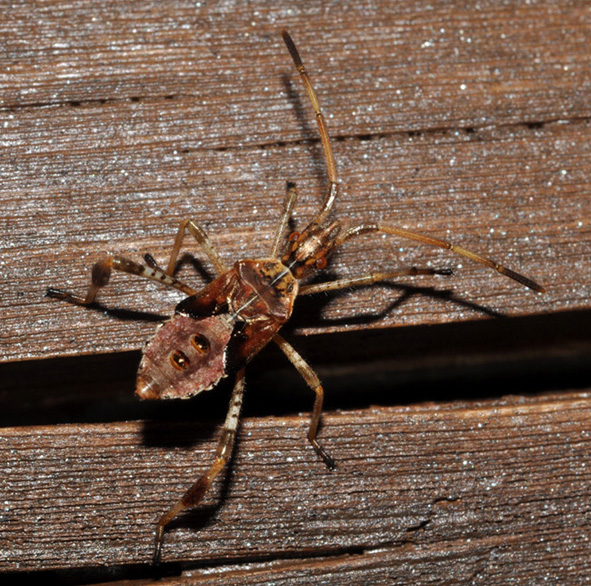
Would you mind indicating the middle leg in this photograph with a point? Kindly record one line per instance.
(314, 383)
(369, 279)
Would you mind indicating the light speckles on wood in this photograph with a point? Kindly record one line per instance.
(461, 480)
(120, 174)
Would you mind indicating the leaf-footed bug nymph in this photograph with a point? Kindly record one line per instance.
(217, 330)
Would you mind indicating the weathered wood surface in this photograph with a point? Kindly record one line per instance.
(120, 121)
(486, 491)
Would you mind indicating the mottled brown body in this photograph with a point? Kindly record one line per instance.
(261, 298)
(218, 330)
(215, 332)
(261, 291)
(185, 357)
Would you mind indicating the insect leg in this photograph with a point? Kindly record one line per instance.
(375, 227)
(223, 452)
(314, 383)
(369, 279)
(202, 239)
(291, 196)
(101, 273)
(332, 191)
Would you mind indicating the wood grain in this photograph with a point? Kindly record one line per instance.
(463, 442)
(119, 123)
(494, 490)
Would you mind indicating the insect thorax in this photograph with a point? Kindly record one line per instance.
(265, 287)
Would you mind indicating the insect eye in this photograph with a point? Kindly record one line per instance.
(293, 237)
(200, 343)
(179, 360)
(321, 262)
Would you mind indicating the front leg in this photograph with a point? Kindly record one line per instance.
(373, 227)
(202, 239)
(224, 450)
(101, 273)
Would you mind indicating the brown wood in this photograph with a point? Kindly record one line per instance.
(118, 124)
(495, 489)
(118, 121)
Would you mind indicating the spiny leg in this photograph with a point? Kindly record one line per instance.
(314, 383)
(369, 279)
(289, 201)
(101, 273)
(202, 239)
(223, 452)
(332, 191)
(376, 227)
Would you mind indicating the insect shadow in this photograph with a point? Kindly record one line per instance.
(196, 265)
(310, 312)
(126, 314)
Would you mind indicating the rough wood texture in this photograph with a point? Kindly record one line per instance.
(464, 122)
(118, 123)
(501, 484)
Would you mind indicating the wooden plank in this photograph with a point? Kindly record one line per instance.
(119, 122)
(491, 489)
(413, 54)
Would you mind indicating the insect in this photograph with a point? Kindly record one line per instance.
(215, 332)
